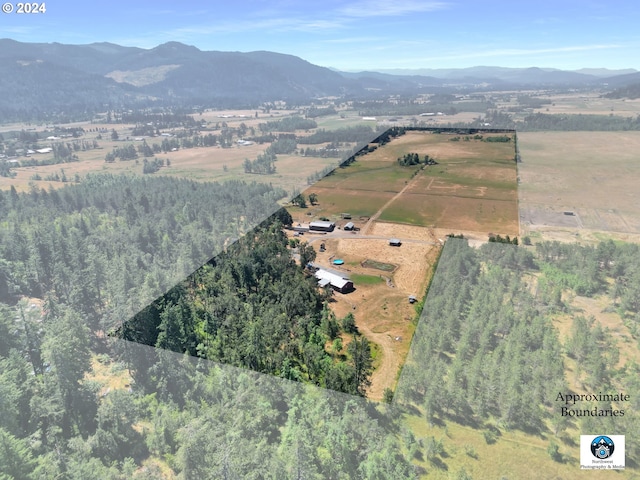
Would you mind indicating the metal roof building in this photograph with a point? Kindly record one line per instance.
(338, 282)
(322, 226)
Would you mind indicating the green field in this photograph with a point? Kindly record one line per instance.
(333, 201)
(385, 267)
(373, 175)
(473, 186)
(360, 279)
(454, 212)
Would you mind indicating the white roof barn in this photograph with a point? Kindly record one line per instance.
(336, 281)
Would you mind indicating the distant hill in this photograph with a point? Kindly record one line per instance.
(522, 76)
(56, 81)
(630, 91)
(39, 77)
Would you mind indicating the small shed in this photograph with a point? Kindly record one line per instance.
(412, 299)
(349, 226)
(395, 242)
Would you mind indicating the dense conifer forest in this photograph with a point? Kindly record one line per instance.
(86, 264)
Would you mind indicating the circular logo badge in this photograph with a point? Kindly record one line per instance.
(602, 447)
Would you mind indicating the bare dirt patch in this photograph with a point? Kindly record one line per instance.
(382, 312)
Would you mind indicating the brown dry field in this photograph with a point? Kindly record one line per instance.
(412, 232)
(202, 164)
(249, 119)
(586, 306)
(382, 312)
(591, 173)
(589, 103)
(456, 213)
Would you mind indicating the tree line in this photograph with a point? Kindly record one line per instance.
(76, 262)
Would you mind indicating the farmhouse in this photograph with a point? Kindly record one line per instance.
(337, 282)
(322, 226)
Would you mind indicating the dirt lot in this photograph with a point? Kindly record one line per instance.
(382, 311)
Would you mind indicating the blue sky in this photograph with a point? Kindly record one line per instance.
(359, 34)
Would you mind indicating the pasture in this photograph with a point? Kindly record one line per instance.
(473, 186)
(200, 164)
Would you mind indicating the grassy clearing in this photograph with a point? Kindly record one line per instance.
(332, 202)
(385, 267)
(492, 216)
(362, 279)
(466, 448)
(333, 122)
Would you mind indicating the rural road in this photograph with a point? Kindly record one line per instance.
(359, 236)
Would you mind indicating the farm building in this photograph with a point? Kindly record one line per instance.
(349, 226)
(301, 228)
(395, 242)
(337, 282)
(322, 226)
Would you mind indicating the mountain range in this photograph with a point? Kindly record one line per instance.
(36, 78)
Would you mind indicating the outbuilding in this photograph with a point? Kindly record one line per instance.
(322, 226)
(337, 282)
(395, 242)
(349, 226)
